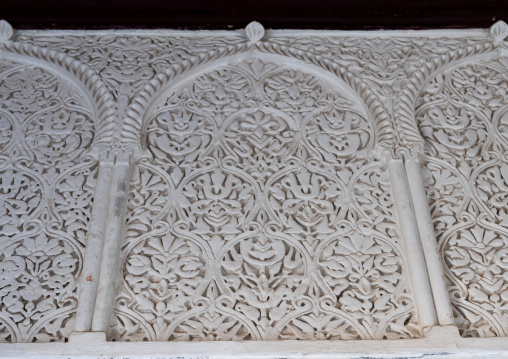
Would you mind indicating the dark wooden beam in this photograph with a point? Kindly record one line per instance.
(234, 14)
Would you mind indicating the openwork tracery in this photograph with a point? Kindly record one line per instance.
(462, 115)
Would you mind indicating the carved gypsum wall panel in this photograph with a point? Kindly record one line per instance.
(46, 190)
(261, 214)
(185, 225)
(127, 62)
(462, 115)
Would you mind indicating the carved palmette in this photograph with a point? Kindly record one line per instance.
(259, 205)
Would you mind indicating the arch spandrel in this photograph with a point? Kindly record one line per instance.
(84, 80)
(135, 115)
(273, 195)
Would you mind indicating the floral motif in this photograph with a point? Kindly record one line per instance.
(37, 276)
(20, 195)
(46, 197)
(340, 135)
(255, 162)
(149, 194)
(492, 186)
(6, 130)
(453, 130)
(73, 199)
(178, 135)
(164, 272)
(364, 274)
(478, 258)
(27, 91)
(307, 203)
(251, 159)
(213, 324)
(293, 92)
(446, 193)
(260, 141)
(373, 195)
(218, 204)
(264, 276)
(221, 93)
(466, 186)
(59, 135)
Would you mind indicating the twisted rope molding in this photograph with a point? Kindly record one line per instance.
(131, 131)
(405, 119)
(404, 122)
(383, 125)
(100, 95)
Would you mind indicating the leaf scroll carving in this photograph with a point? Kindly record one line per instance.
(249, 187)
(461, 118)
(264, 211)
(46, 195)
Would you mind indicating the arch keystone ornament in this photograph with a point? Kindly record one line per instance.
(328, 193)
(6, 31)
(499, 31)
(254, 31)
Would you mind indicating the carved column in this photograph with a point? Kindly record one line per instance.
(411, 242)
(429, 243)
(94, 248)
(111, 252)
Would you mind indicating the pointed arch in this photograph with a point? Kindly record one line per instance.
(85, 78)
(131, 131)
(405, 120)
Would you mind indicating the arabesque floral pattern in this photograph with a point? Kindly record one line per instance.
(46, 194)
(460, 116)
(258, 183)
(259, 205)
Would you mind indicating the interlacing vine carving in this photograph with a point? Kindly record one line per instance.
(259, 206)
(249, 185)
(46, 189)
(460, 115)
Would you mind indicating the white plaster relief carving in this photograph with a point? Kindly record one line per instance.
(254, 167)
(260, 206)
(461, 115)
(46, 198)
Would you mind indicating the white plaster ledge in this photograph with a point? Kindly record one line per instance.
(441, 342)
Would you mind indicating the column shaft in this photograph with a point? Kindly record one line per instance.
(429, 243)
(412, 246)
(93, 252)
(114, 234)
